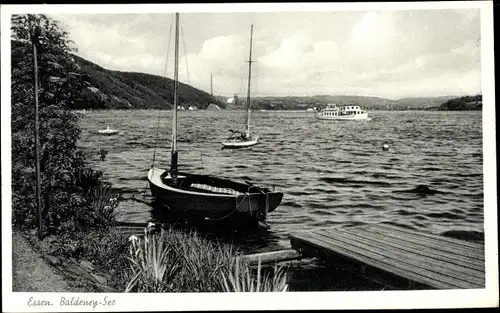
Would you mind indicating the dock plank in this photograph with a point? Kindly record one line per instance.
(473, 255)
(434, 261)
(396, 259)
(469, 249)
(398, 242)
(430, 236)
(417, 260)
(399, 268)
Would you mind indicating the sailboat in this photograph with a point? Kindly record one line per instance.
(238, 139)
(206, 197)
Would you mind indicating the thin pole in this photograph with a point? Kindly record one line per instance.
(34, 40)
(211, 90)
(249, 81)
(173, 164)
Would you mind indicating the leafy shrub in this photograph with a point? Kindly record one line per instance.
(77, 207)
(86, 179)
(90, 203)
(105, 248)
(59, 85)
(103, 203)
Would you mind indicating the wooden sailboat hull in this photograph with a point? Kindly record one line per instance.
(211, 198)
(238, 143)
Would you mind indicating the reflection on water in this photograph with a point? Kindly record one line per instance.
(247, 238)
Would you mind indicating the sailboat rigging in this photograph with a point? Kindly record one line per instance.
(206, 197)
(239, 139)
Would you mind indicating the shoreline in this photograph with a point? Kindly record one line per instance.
(32, 271)
(37, 269)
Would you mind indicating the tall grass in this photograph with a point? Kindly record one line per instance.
(153, 264)
(243, 280)
(173, 261)
(104, 202)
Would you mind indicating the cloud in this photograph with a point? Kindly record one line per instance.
(223, 56)
(289, 54)
(374, 43)
(298, 55)
(446, 83)
(114, 45)
(457, 61)
(373, 30)
(377, 53)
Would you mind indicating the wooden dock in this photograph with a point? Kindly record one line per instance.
(397, 256)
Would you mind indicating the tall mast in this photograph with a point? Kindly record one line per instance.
(249, 81)
(211, 90)
(173, 162)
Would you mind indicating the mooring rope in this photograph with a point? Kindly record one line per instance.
(246, 197)
(267, 203)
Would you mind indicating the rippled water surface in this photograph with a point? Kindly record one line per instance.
(331, 172)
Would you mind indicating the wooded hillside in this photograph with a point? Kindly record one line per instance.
(129, 90)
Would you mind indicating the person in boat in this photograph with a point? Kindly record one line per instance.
(242, 136)
(233, 133)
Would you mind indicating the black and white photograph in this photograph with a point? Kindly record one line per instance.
(228, 156)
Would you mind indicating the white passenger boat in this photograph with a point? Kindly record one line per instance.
(345, 112)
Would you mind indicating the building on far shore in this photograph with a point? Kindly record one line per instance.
(213, 107)
(234, 100)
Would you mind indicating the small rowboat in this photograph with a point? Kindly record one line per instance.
(108, 131)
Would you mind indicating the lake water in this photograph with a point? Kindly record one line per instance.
(332, 173)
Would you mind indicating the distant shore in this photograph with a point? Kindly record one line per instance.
(313, 104)
(273, 110)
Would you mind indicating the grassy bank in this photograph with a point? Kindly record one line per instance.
(163, 260)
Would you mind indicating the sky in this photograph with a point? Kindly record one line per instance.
(391, 54)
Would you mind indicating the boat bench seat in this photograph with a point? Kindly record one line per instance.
(205, 188)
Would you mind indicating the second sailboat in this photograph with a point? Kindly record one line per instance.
(240, 139)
